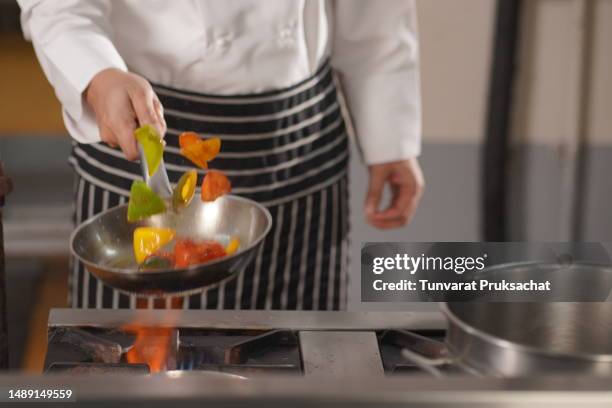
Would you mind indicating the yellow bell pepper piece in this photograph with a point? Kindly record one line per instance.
(148, 240)
(185, 189)
(232, 247)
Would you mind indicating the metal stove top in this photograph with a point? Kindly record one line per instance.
(332, 348)
(249, 343)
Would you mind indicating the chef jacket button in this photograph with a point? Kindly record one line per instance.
(287, 33)
(221, 42)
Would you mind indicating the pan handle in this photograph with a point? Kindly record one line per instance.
(427, 354)
(429, 365)
(159, 181)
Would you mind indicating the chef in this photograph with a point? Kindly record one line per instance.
(264, 77)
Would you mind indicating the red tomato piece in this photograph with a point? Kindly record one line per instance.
(188, 252)
(185, 253)
(214, 185)
(209, 250)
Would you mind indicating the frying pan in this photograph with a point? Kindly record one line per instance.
(517, 339)
(104, 243)
(505, 339)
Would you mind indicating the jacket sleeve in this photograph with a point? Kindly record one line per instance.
(73, 42)
(375, 51)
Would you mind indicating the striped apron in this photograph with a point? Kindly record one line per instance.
(288, 150)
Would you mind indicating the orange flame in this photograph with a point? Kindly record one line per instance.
(151, 347)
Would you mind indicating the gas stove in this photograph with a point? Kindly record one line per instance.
(247, 343)
(314, 359)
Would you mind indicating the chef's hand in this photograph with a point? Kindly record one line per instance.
(406, 182)
(123, 101)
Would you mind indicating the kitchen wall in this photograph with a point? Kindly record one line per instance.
(29, 105)
(598, 197)
(34, 148)
(564, 94)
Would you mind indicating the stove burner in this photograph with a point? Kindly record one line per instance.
(252, 351)
(82, 346)
(392, 342)
(90, 350)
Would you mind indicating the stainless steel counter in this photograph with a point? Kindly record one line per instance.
(249, 319)
(412, 391)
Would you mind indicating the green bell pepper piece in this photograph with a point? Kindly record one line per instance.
(155, 262)
(143, 202)
(153, 146)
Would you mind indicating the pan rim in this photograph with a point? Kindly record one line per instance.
(519, 347)
(128, 272)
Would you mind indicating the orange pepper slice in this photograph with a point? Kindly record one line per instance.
(214, 185)
(192, 153)
(233, 246)
(210, 148)
(199, 151)
(187, 138)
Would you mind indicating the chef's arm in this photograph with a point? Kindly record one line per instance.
(72, 40)
(375, 52)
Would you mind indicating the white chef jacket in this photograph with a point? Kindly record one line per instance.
(237, 47)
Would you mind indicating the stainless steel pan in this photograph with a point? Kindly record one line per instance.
(104, 244)
(512, 339)
(521, 339)
(518, 339)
